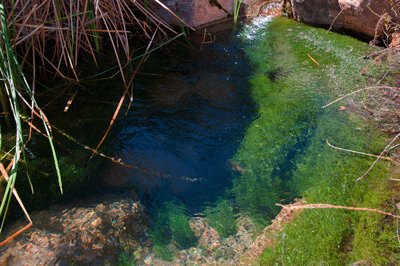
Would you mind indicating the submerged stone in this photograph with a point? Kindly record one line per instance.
(80, 235)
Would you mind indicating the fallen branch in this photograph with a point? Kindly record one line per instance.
(368, 88)
(362, 153)
(329, 206)
(119, 161)
(380, 156)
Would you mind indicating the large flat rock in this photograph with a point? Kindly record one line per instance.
(194, 12)
(363, 17)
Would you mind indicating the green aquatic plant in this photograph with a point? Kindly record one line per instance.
(297, 69)
(222, 217)
(172, 230)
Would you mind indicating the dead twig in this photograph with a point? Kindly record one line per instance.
(314, 60)
(329, 206)
(362, 153)
(119, 161)
(354, 92)
(380, 156)
(334, 20)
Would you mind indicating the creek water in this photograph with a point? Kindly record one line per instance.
(220, 128)
(185, 125)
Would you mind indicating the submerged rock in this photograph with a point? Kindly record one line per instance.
(99, 234)
(243, 248)
(80, 235)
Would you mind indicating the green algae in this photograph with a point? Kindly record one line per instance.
(297, 70)
(172, 230)
(222, 217)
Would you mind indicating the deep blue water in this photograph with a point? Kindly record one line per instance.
(185, 123)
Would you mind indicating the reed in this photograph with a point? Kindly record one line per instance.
(60, 31)
(236, 9)
(15, 85)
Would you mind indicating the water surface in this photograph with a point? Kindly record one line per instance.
(185, 124)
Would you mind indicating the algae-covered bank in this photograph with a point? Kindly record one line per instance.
(297, 70)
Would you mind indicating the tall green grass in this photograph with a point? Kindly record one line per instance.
(59, 33)
(16, 86)
(236, 9)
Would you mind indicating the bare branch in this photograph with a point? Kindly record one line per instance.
(354, 92)
(362, 153)
(380, 156)
(329, 206)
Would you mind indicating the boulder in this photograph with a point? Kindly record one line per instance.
(253, 7)
(366, 18)
(194, 12)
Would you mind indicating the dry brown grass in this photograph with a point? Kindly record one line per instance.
(59, 31)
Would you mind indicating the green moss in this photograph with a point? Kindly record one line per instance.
(289, 88)
(375, 237)
(286, 152)
(165, 252)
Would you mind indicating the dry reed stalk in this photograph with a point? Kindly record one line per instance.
(73, 27)
(123, 98)
(314, 60)
(14, 191)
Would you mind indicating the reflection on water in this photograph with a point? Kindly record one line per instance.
(186, 125)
